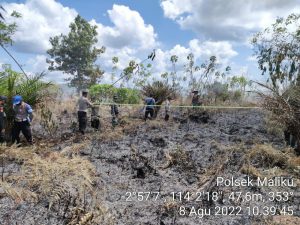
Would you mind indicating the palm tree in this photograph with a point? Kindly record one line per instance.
(32, 89)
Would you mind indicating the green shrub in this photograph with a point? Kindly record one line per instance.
(237, 95)
(219, 91)
(128, 96)
(102, 92)
(105, 92)
(33, 90)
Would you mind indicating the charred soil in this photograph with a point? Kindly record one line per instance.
(163, 173)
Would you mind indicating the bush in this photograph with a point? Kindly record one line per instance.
(159, 90)
(219, 91)
(237, 95)
(105, 92)
(101, 92)
(32, 89)
(284, 108)
(128, 96)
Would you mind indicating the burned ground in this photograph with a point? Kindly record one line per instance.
(183, 155)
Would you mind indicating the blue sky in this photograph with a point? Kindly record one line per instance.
(130, 29)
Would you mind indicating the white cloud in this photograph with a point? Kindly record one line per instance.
(38, 64)
(223, 50)
(227, 20)
(202, 51)
(128, 38)
(129, 30)
(172, 9)
(41, 19)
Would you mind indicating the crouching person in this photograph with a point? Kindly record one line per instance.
(95, 119)
(22, 120)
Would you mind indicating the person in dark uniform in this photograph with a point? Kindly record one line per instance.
(167, 108)
(3, 100)
(114, 112)
(196, 99)
(95, 118)
(150, 103)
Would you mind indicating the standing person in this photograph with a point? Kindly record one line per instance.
(150, 103)
(83, 105)
(196, 99)
(22, 120)
(167, 108)
(114, 112)
(3, 100)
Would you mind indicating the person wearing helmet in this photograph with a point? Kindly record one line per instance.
(83, 105)
(114, 111)
(3, 100)
(22, 120)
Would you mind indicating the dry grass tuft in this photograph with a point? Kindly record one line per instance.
(268, 157)
(262, 157)
(294, 162)
(52, 178)
(18, 194)
(286, 220)
(155, 124)
(132, 127)
(250, 170)
(18, 155)
(170, 205)
(179, 157)
(57, 176)
(99, 215)
(74, 149)
(273, 126)
(113, 135)
(65, 184)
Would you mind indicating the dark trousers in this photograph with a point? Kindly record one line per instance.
(290, 139)
(149, 111)
(23, 126)
(167, 116)
(2, 126)
(114, 120)
(82, 121)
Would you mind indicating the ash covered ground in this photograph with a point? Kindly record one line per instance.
(184, 155)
